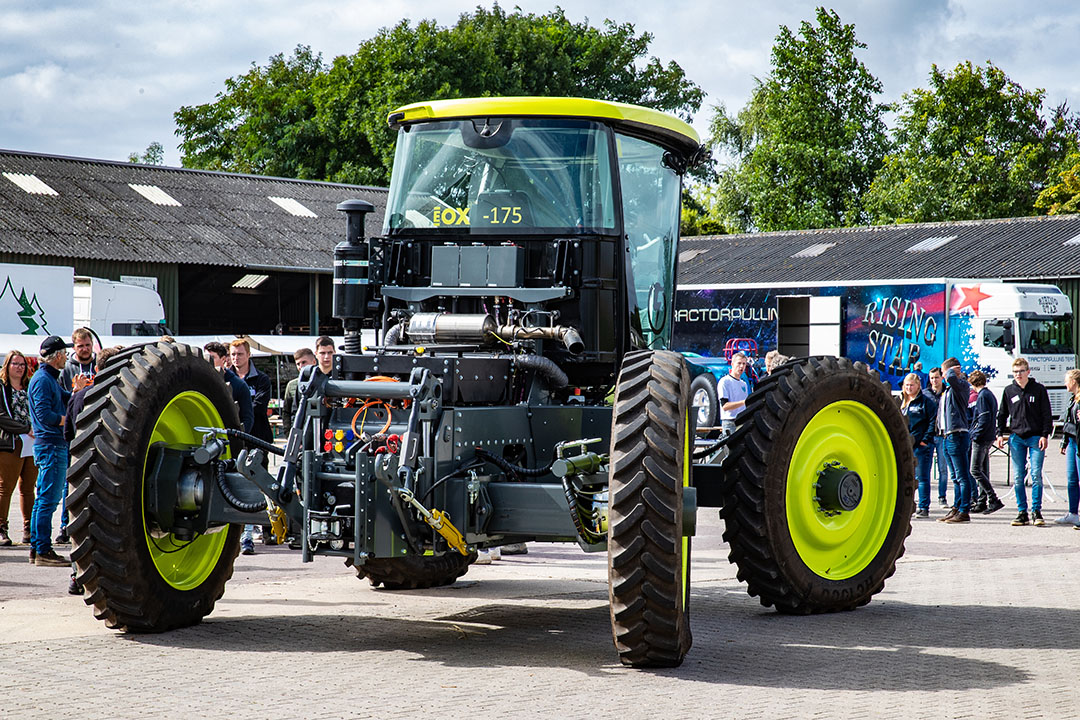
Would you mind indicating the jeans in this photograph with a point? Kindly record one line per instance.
(728, 426)
(924, 456)
(52, 462)
(958, 456)
(980, 471)
(1020, 450)
(1072, 475)
(942, 467)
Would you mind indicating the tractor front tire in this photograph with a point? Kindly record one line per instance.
(819, 487)
(648, 555)
(415, 572)
(138, 578)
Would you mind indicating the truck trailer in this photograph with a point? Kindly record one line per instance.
(891, 325)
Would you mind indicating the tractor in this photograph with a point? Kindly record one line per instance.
(516, 385)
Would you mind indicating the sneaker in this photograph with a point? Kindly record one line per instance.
(33, 556)
(1037, 518)
(62, 538)
(1068, 519)
(922, 513)
(1021, 519)
(943, 501)
(49, 558)
(5, 541)
(979, 507)
(247, 549)
(949, 515)
(74, 588)
(515, 549)
(960, 517)
(993, 506)
(26, 537)
(485, 557)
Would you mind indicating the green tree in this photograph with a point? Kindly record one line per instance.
(974, 145)
(336, 129)
(808, 143)
(262, 123)
(153, 155)
(1063, 196)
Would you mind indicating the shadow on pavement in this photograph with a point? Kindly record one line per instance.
(885, 646)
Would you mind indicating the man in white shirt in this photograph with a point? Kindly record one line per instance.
(732, 391)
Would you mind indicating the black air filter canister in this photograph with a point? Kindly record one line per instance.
(351, 288)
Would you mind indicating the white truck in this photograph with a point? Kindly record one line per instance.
(890, 325)
(51, 300)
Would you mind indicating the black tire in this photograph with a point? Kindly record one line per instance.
(111, 547)
(851, 554)
(648, 557)
(704, 399)
(415, 572)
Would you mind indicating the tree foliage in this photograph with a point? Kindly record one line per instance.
(263, 123)
(153, 155)
(809, 141)
(297, 117)
(1063, 196)
(973, 145)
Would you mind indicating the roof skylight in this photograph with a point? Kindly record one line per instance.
(930, 243)
(293, 207)
(155, 194)
(30, 183)
(813, 250)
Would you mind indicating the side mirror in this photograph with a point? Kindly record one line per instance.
(1007, 335)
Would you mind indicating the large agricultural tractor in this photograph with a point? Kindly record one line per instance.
(520, 389)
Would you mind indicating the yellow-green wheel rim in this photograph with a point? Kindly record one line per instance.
(840, 546)
(184, 565)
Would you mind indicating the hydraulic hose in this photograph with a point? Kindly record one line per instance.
(227, 493)
(510, 468)
(254, 441)
(552, 374)
(712, 448)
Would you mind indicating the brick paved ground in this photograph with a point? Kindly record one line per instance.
(981, 620)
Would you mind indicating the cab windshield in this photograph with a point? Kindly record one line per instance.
(502, 175)
(1046, 336)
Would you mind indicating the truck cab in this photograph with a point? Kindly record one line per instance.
(1009, 320)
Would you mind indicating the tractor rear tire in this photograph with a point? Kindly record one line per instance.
(798, 547)
(137, 578)
(648, 555)
(415, 572)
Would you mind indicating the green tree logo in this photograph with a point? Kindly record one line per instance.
(28, 310)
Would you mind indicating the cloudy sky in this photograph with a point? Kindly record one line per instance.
(102, 78)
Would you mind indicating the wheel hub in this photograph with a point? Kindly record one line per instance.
(837, 489)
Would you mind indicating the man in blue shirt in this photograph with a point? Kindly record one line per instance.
(48, 403)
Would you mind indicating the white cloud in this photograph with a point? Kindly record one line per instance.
(102, 78)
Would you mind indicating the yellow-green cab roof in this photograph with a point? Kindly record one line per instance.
(651, 122)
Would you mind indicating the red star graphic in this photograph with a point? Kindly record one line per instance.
(968, 298)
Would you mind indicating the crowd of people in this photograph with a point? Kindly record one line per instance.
(41, 398)
(959, 421)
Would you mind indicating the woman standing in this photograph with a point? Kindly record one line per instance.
(920, 408)
(15, 469)
(1069, 449)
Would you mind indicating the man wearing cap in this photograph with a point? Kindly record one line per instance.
(47, 401)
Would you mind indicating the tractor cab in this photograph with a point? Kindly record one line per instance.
(564, 210)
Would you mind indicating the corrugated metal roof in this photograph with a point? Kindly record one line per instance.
(222, 219)
(1012, 248)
